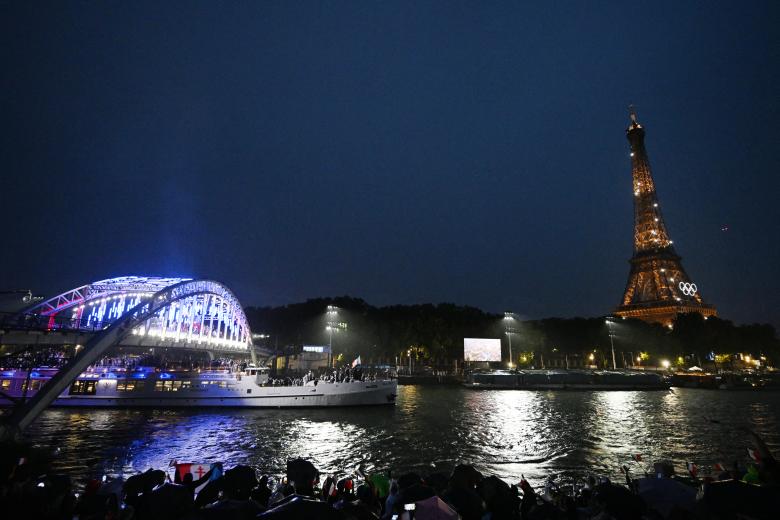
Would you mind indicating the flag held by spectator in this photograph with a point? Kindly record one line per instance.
(356, 362)
(198, 471)
(754, 454)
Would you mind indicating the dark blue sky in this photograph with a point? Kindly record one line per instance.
(397, 151)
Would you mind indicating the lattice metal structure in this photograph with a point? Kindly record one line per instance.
(212, 318)
(658, 287)
(182, 302)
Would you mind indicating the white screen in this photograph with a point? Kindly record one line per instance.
(481, 349)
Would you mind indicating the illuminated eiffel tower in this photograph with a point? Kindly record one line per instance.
(658, 287)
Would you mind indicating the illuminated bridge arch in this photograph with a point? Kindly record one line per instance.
(211, 319)
(186, 311)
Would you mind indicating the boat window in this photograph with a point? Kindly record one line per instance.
(168, 386)
(83, 388)
(5, 384)
(185, 385)
(125, 386)
(35, 384)
(222, 384)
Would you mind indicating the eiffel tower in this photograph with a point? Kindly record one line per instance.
(658, 287)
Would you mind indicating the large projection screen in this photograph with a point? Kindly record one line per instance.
(481, 349)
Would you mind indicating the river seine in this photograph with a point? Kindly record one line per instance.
(506, 433)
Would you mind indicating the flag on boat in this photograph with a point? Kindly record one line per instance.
(693, 469)
(754, 454)
(198, 471)
(638, 457)
(356, 362)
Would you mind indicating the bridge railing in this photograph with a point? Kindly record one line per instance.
(37, 322)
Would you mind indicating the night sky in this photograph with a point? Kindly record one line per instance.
(401, 152)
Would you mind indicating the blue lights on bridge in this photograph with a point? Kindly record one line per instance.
(213, 318)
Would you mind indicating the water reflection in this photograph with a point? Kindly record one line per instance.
(507, 433)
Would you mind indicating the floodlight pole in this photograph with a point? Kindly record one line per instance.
(508, 317)
(330, 346)
(509, 333)
(612, 344)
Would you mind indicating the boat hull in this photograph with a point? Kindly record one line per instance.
(350, 394)
(558, 379)
(157, 389)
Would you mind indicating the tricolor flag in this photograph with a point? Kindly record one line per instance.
(356, 362)
(754, 454)
(198, 471)
(692, 469)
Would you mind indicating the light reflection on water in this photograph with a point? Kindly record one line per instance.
(507, 433)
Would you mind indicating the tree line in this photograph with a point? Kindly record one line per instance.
(434, 333)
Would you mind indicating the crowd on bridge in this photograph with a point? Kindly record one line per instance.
(194, 492)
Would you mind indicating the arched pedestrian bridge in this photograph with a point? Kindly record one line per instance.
(195, 314)
(126, 311)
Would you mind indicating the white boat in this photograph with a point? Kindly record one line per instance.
(152, 387)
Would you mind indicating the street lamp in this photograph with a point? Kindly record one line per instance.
(508, 319)
(611, 342)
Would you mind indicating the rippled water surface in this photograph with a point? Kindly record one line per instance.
(502, 432)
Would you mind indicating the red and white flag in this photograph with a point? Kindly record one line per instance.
(754, 454)
(693, 469)
(719, 467)
(356, 362)
(638, 457)
(197, 470)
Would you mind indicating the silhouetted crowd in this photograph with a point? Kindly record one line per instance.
(338, 375)
(28, 491)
